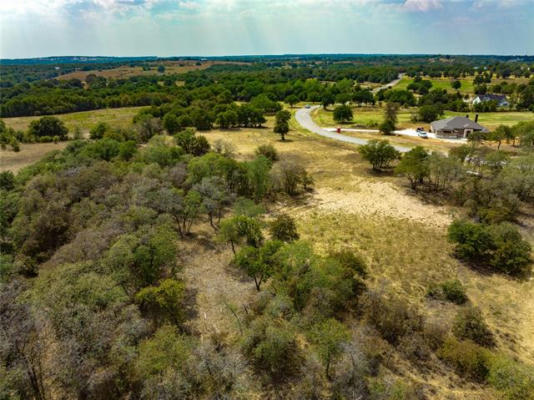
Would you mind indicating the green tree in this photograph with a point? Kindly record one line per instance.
(281, 125)
(291, 100)
(329, 338)
(283, 228)
(414, 165)
(171, 124)
(343, 113)
(163, 302)
(429, 113)
(98, 131)
(501, 133)
(456, 84)
(379, 153)
(258, 263)
(238, 229)
(327, 100)
(48, 126)
(258, 177)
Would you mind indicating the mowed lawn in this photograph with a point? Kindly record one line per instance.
(371, 117)
(468, 87)
(85, 120)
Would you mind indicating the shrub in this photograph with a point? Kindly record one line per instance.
(515, 380)
(351, 261)
(379, 153)
(469, 324)
(272, 346)
(467, 358)
(284, 228)
(7, 180)
(268, 151)
(99, 130)
(191, 143)
(48, 126)
(500, 246)
(287, 176)
(392, 318)
(343, 113)
(452, 291)
(512, 253)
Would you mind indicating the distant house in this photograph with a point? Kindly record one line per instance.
(456, 127)
(500, 99)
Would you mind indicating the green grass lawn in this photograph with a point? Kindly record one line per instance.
(371, 117)
(115, 117)
(364, 117)
(441, 83)
(492, 120)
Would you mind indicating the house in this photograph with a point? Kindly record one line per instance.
(456, 127)
(500, 99)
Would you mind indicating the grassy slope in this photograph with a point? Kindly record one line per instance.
(402, 239)
(30, 153)
(467, 87)
(85, 120)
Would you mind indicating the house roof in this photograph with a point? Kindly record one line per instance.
(457, 123)
(488, 97)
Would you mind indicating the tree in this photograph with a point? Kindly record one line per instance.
(148, 126)
(329, 337)
(281, 125)
(288, 175)
(387, 127)
(238, 229)
(428, 113)
(258, 177)
(291, 100)
(414, 165)
(258, 263)
(456, 84)
(379, 153)
(343, 113)
(99, 130)
(283, 228)
(390, 114)
(48, 126)
(165, 301)
(191, 143)
(327, 99)
(161, 69)
(171, 124)
(501, 133)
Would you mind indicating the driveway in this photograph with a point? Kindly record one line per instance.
(303, 117)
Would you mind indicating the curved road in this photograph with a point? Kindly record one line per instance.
(303, 117)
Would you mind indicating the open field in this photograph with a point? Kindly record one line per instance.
(85, 120)
(28, 154)
(467, 87)
(125, 71)
(370, 117)
(402, 238)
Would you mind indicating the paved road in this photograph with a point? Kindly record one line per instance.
(388, 85)
(303, 117)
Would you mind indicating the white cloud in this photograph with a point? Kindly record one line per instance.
(422, 5)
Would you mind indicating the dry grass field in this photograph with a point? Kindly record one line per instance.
(28, 154)
(402, 238)
(125, 71)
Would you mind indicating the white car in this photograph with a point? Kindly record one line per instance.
(421, 133)
(307, 106)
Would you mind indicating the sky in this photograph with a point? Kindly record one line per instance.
(39, 28)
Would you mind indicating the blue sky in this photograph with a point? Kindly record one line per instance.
(36, 28)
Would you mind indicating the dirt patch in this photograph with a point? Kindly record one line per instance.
(28, 154)
(382, 199)
(220, 292)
